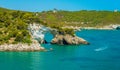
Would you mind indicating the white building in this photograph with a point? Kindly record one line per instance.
(115, 10)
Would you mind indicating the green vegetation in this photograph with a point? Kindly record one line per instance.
(14, 24)
(81, 18)
(66, 31)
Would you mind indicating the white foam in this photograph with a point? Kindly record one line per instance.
(100, 49)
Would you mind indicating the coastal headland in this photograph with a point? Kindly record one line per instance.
(18, 29)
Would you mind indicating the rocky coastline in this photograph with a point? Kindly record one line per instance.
(37, 33)
(59, 39)
(68, 40)
(108, 27)
(35, 46)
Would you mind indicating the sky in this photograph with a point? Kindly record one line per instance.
(71, 5)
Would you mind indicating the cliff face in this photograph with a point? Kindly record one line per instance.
(68, 40)
(37, 32)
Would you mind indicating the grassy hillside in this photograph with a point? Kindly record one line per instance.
(3, 9)
(81, 18)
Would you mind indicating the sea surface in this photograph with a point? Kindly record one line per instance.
(103, 53)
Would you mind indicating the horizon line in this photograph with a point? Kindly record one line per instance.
(62, 10)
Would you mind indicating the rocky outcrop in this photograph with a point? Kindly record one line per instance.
(37, 32)
(35, 46)
(68, 40)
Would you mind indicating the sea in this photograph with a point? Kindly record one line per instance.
(103, 53)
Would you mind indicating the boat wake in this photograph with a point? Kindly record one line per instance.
(100, 49)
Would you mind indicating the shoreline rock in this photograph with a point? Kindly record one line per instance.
(35, 46)
(21, 47)
(68, 40)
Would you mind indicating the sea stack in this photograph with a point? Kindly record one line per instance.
(68, 40)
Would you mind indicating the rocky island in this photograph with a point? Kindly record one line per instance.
(68, 40)
(66, 36)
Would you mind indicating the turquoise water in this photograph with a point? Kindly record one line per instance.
(102, 54)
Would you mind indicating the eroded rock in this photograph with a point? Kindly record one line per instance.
(68, 40)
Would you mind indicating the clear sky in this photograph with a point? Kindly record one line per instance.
(73, 5)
